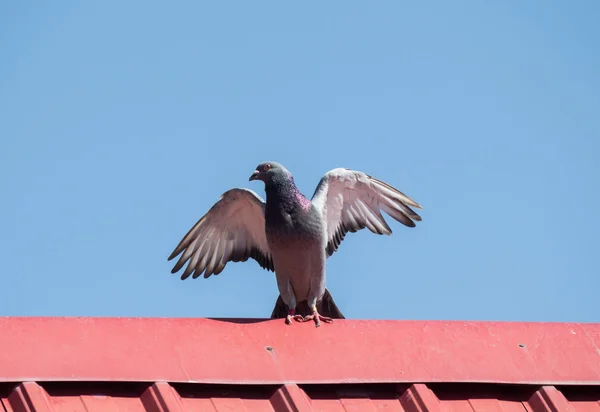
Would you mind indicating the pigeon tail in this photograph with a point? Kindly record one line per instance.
(326, 307)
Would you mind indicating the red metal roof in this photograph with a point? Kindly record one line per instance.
(124, 364)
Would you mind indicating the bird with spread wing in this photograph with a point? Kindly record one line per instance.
(290, 234)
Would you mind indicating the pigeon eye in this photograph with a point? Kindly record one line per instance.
(268, 166)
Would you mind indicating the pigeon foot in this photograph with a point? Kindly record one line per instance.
(289, 318)
(292, 315)
(317, 318)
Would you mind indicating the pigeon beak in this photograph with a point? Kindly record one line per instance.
(254, 175)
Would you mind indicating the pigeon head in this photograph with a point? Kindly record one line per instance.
(268, 171)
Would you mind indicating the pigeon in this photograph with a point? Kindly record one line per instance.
(291, 235)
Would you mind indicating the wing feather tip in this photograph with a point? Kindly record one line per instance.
(262, 257)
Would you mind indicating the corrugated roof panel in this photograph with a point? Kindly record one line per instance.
(584, 398)
(91, 364)
(161, 396)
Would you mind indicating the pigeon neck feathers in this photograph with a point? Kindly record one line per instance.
(281, 189)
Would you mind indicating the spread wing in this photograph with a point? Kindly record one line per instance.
(233, 230)
(350, 201)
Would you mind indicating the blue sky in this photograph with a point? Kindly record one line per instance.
(123, 122)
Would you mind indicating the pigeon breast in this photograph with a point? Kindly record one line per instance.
(296, 237)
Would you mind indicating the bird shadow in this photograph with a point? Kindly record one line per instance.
(241, 320)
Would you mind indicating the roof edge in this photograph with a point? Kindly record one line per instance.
(262, 351)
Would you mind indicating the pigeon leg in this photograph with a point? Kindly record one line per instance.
(292, 315)
(317, 318)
